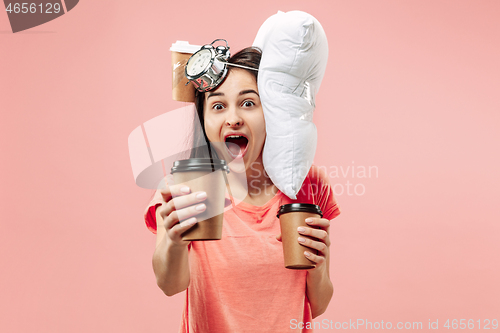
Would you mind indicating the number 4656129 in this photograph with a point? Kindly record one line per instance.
(470, 324)
(32, 8)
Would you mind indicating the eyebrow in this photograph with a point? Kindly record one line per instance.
(248, 92)
(243, 92)
(215, 94)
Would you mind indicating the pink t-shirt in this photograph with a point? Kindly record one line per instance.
(240, 283)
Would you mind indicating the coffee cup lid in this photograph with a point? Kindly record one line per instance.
(199, 164)
(300, 207)
(182, 46)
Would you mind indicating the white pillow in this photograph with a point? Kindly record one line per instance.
(294, 56)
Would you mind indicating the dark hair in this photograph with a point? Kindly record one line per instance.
(249, 57)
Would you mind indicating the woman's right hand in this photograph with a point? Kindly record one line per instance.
(179, 204)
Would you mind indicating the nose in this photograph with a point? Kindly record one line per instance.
(233, 119)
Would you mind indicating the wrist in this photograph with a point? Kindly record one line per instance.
(175, 248)
(317, 273)
(167, 249)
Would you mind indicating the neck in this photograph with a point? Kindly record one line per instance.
(254, 185)
(258, 181)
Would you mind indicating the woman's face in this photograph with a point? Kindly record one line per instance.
(234, 119)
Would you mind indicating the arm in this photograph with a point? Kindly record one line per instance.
(319, 288)
(170, 259)
(319, 291)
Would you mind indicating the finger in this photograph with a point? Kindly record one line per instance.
(174, 191)
(182, 214)
(320, 246)
(186, 200)
(176, 231)
(165, 209)
(314, 257)
(318, 222)
(181, 202)
(316, 233)
(165, 193)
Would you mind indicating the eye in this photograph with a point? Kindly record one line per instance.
(218, 107)
(248, 103)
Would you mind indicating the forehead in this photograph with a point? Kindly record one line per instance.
(237, 80)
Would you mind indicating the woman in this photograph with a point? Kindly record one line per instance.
(239, 283)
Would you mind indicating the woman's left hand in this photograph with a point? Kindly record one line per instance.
(318, 229)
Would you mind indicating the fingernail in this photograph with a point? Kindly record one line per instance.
(307, 254)
(309, 219)
(301, 240)
(192, 221)
(301, 229)
(201, 195)
(200, 207)
(185, 189)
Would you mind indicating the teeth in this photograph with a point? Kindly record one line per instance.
(234, 136)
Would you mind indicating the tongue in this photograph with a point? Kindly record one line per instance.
(236, 145)
(234, 149)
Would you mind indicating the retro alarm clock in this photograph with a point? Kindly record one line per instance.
(207, 68)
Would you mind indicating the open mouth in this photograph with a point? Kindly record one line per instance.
(236, 145)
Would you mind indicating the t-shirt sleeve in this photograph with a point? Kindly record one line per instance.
(150, 212)
(157, 200)
(324, 193)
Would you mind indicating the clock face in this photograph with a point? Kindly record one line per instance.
(198, 62)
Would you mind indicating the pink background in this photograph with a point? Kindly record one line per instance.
(411, 88)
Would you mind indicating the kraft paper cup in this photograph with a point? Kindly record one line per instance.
(204, 174)
(181, 52)
(291, 217)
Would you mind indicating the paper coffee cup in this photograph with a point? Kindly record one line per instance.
(291, 217)
(181, 52)
(204, 174)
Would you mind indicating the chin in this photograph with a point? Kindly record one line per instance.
(237, 166)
